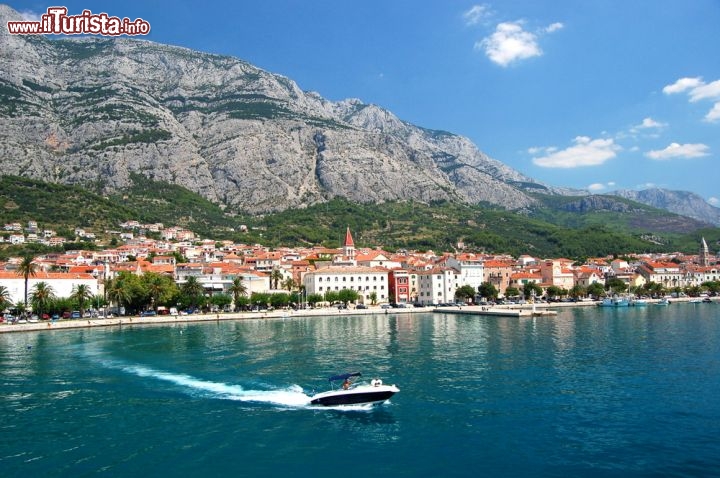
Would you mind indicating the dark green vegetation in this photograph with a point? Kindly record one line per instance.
(563, 226)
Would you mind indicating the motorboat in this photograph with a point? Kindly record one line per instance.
(353, 393)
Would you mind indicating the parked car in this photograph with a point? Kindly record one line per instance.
(148, 313)
(75, 314)
(361, 306)
(386, 306)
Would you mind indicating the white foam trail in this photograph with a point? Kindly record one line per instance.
(292, 397)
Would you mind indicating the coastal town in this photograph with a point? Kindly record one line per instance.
(224, 276)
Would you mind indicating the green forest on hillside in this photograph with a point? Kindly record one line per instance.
(544, 231)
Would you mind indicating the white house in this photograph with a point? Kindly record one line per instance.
(363, 280)
(437, 285)
(62, 283)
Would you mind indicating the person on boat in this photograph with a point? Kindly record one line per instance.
(346, 384)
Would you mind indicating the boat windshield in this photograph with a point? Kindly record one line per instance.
(344, 376)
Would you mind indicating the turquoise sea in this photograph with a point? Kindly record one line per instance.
(591, 392)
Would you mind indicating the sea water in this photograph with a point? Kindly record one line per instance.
(591, 392)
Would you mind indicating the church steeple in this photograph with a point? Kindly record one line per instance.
(349, 245)
(704, 254)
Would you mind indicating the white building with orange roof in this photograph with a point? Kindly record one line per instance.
(62, 283)
(363, 280)
(470, 267)
(668, 274)
(377, 259)
(586, 276)
(521, 278)
(437, 285)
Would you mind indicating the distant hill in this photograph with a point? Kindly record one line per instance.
(680, 202)
(558, 226)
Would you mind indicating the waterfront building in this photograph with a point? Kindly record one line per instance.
(498, 273)
(437, 285)
(363, 280)
(666, 273)
(62, 283)
(470, 267)
(556, 273)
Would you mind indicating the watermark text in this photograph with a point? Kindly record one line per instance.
(57, 22)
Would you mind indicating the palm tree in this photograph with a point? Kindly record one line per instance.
(41, 297)
(237, 288)
(275, 276)
(27, 268)
(288, 284)
(119, 291)
(81, 294)
(193, 289)
(4, 298)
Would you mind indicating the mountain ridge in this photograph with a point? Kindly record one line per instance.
(95, 111)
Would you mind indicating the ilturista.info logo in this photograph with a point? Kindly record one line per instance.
(57, 22)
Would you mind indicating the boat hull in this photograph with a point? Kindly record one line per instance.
(355, 396)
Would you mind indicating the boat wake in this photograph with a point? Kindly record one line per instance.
(290, 397)
(293, 396)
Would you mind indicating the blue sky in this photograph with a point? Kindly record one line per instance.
(589, 94)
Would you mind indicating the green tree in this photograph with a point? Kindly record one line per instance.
(221, 300)
(615, 285)
(596, 290)
(260, 299)
(288, 284)
(577, 291)
(193, 289)
(512, 292)
(347, 295)
(81, 294)
(530, 289)
(373, 298)
(41, 297)
(276, 276)
(159, 288)
(314, 299)
(488, 291)
(4, 298)
(279, 299)
(237, 289)
(464, 293)
(27, 268)
(331, 296)
(554, 292)
(122, 289)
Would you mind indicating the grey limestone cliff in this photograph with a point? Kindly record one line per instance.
(92, 111)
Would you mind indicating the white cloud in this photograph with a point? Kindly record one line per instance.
(585, 152)
(683, 84)
(651, 123)
(476, 14)
(596, 187)
(714, 113)
(554, 27)
(30, 16)
(698, 90)
(714, 201)
(683, 151)
(708, 91)
(509, 43)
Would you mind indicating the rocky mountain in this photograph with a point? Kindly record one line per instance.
(680, 202)
(93, 111)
